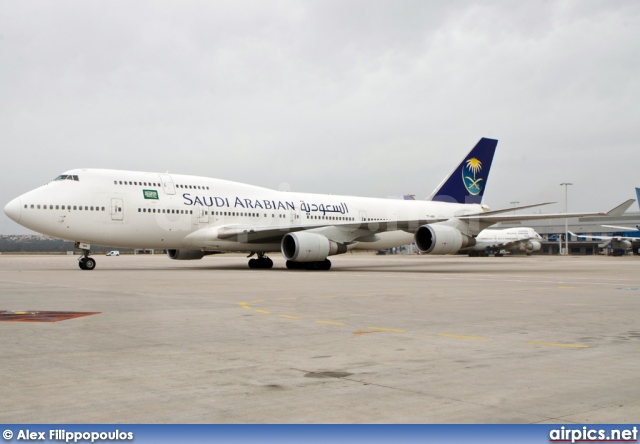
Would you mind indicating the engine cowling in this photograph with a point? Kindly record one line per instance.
(621, 244)
(185, 255)
(441, 239)
(309, 247)
(534, 245)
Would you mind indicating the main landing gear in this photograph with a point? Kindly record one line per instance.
(262, 261)
(85, 262)
(317, 265)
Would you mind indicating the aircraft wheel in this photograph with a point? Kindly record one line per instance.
(268, 263)
(326, 265)
(253, 263)
(81, 263)
(291, 265)
(89, 263)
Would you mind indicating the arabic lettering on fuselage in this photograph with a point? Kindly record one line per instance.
(324, 208)
(263, 204)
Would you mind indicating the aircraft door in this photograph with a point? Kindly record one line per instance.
(294, 217)
(200, 215)
(117, 209)
(167, 184)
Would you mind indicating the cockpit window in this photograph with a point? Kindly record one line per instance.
(67, 177)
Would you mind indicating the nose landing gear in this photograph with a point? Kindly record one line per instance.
(85, 262)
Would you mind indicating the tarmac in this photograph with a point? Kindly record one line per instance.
(378, 339)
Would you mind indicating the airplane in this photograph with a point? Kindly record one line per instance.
(191, 217)
(523, 239)
(617, 242)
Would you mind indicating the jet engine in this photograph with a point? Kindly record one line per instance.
(185, 255)
(622, 244)
(532, 245)
(309, 247)
(441, 239)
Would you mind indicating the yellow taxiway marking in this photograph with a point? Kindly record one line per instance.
(359, 332)
(244, 305)
(329, 322)
(286, 299)
(551, 344)
(386, 329)
(263, 311)
(290, 317)
(475, 338)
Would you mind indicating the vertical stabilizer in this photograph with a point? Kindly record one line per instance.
(638, 196)
(466, 184)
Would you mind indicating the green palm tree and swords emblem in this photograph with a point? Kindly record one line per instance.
(474, 166)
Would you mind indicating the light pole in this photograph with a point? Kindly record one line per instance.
(514, 203)
(566, 220)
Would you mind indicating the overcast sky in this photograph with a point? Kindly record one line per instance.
(371, 98)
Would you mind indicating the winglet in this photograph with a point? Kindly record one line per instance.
(620, 209)
(466, 184)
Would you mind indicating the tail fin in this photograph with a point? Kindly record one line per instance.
(638, 194)
(467, 182)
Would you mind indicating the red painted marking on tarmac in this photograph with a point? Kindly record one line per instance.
(42, 316)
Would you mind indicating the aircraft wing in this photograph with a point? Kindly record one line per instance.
(494, 217)
(621, 228)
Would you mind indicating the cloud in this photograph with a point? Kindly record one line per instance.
(366, 98)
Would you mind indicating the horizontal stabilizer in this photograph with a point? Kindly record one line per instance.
(620, 209)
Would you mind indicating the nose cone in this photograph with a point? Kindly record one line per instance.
(14, 210)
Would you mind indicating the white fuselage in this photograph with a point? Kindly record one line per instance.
(150, 210)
